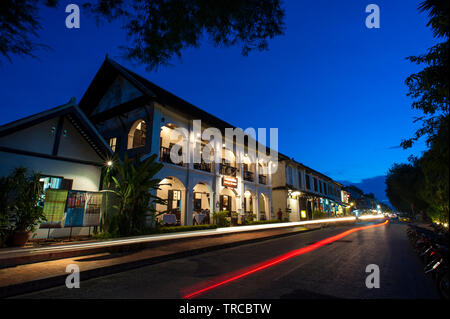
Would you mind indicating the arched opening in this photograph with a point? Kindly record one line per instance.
(167, 141)
(262, 173)
(173, 191)
(249, 205)
(202, 206)
(228, 200)
(249, 169)
(137, 135)
(263, 207)
(228, 165)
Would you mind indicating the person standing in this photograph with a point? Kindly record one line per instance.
(280, 214)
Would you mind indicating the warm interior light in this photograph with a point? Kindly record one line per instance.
(109, 163)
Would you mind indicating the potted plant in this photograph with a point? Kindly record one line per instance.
(26, 212)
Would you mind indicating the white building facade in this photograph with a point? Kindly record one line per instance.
(138, 118)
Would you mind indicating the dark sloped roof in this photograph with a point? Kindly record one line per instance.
(73, 113)
(106, 75)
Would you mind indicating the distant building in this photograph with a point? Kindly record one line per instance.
(300, 191)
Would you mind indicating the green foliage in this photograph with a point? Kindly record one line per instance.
(430, 87)
(221, 219)
(250, 218)
(422, 185)
(19, 209)
(131, 183)
(26, 190)
(317, 214)
(156, 30)
(403, 186)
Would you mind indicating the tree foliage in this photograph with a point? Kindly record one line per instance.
(424, 182)
(133, 183)
(430, 87)
(20, 26)
(157, 29)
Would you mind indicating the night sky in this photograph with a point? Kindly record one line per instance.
(334, 88)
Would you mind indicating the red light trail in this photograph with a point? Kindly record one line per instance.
(281, 258)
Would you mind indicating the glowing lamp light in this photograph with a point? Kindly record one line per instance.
(303, 214)
(109, 163)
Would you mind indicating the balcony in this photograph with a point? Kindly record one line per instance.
(206, 167)
(228, 170)
(249, 176)
(262, 179)
(164, 156)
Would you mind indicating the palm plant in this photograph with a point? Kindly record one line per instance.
(132, 183)
(26, 192)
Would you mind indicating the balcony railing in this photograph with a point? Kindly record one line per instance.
(164, 156)
(206, 167)
(262, 179)
(249, 176)
(228, 170)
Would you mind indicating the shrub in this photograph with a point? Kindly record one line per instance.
(317, 214)
(221, 219)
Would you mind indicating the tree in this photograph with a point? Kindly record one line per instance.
(132, 182)
(430, 87)
(20, 26)
(157, 29)
(435, 167)
(404, 183)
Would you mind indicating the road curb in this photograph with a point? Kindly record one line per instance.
(45, 283)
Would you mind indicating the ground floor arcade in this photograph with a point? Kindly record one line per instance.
(193, 197)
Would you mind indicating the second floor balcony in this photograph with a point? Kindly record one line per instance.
(203, 166)
(262, 179)
(249, 176)
(164, 156)
(226, 169)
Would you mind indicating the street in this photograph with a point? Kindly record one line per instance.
(336, 270)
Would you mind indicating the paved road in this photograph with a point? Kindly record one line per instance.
(336, 270)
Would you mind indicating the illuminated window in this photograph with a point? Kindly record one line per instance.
(137, 135)
(113, 143)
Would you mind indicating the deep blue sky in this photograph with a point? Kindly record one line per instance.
(334, 88)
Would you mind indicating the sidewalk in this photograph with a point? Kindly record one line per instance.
(34, 269)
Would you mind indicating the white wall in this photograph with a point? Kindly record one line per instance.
(85, 177)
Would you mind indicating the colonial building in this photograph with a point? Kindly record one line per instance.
(301, 192)
(137, 117)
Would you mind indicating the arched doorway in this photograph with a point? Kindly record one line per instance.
(249, 205)
(228, 200)
(264, 211)
(173, 191)
(137, 135)
(203, 204)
